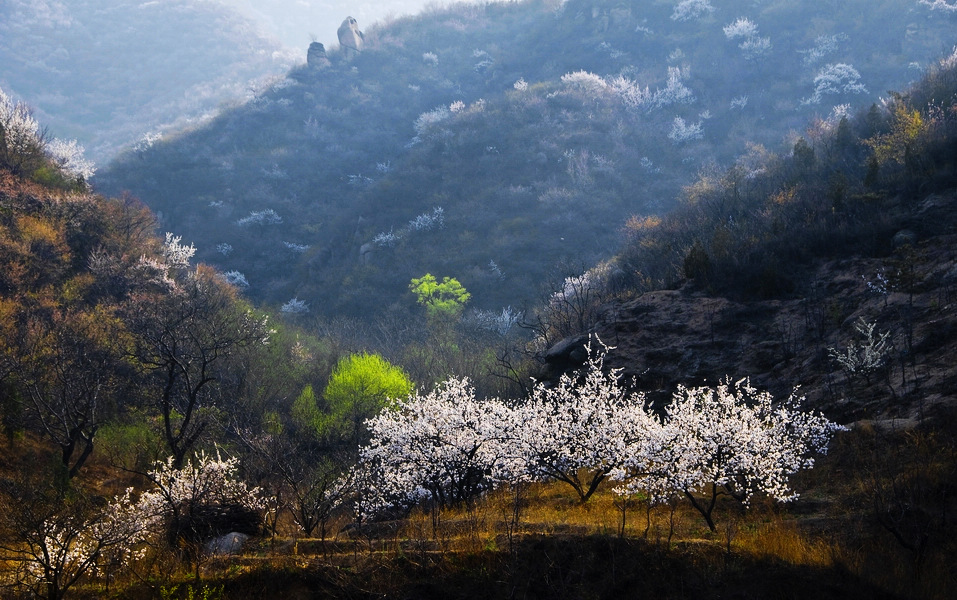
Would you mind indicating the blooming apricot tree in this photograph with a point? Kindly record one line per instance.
(729, 440)
(445, 445)
(583, 428)
(189, 504)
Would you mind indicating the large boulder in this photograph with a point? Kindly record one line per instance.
(350, 38)
(225, 545)
(316, 56)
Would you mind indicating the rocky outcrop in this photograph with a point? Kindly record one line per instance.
(316, 56)
(350, 38)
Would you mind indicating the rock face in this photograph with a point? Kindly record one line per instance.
(669, 337)
(231, 543)
(350, 38)
(316, 56)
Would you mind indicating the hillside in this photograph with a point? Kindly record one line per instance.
(110, 73)
(537, 129)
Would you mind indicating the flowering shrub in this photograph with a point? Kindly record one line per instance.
(752, 45)
(682, 132)
(68, 156)
(583, 428)
(235, 278)
(729, 440)
(449, 447)
(445, 445)
(941, 5)
(687, 10)
(839, 78)
(189, 505)
(267, 216)
(294, 306)
(868, 356)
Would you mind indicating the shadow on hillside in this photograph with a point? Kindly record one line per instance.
(556, 567)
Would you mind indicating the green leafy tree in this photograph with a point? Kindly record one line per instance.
(361, 385)
(445, 299)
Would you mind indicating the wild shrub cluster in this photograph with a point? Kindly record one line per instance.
(846, 186)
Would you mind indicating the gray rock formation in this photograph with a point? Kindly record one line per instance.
(316, 56)
(350, 38)
(231, 543)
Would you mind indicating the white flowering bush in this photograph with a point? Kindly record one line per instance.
(674, 92)
(189, 505)
(266, 216)
(69, 158)
(499, 322)
(236, 279)
(585, 82)
(741, 28)
(294, 306)
(175, 254)
(751, 45)
(428, 221)
(446, 445)
(430, 119)
(583, 428)
(682, 132)
(941, 5)
(864, 358)
(21, 132)
(835, 79)
(728, 440)
(823, 46)
(688, 10)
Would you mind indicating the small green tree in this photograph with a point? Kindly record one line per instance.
(305, 411)
(361, 385)
(445, 299)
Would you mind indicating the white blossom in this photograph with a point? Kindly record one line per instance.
(177, 255)
(445, 445)
(682, 132)
(941, 5)
(823, 45)
(867, 356)
(687, 10)
(583, 428)
(298, 248)
(741, 28)
(235, 278)
(428, 221)
(429, 119)
(295, 306)
(68, 156)
(752, 45)
(20, 130)
(840, 78)
(584, 81)
(728, 440)
(182, 493)
(675, 92)
(266, 216)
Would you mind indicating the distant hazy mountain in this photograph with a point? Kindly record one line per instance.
(494, 142)
(109, 71)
